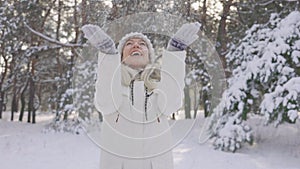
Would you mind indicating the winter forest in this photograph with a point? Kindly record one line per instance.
(48, 68)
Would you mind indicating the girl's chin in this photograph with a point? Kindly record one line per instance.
(135, 65)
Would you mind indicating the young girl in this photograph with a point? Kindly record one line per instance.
(135, 97)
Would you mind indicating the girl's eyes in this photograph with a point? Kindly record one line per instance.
(140, 43)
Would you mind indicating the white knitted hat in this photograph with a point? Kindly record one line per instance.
(140, 36)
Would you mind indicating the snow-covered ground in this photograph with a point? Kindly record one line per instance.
(24, 146)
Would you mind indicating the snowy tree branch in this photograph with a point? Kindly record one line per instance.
(51, 40)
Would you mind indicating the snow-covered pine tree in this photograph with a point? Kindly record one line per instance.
(84, 84)
(198, 80)
(8, 25)
(265, 81)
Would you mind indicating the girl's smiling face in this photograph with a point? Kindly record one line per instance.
(135, 53)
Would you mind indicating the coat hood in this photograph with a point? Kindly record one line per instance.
(140, 36)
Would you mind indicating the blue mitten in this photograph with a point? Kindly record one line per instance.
(185, 36)
(99, 39)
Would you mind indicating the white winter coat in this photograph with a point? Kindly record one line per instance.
(128, 140)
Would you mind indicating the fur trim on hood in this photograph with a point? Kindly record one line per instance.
(140, 36)
(150, 74)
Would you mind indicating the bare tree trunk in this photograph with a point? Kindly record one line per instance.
(76, 25)
(23, 102)
(14, 101)
(12, 69)
(196, 103)
(31, 109)
(30, 101)
(187, 102)
(1, 103)
(3, 76)
(203, 16)
(60, 4)
(37, 24)
(187, 97)
(59, 66)
(83, 12)
(205, 105)
(222, 34)
(188, 8)
(173, 116)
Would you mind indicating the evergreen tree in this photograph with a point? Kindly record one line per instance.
(265, 81)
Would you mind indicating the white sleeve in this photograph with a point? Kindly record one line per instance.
(170, 89)
(108, 95)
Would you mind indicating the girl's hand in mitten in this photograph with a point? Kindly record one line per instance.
(99, 39)
(185, 36)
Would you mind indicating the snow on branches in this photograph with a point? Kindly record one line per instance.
(265, 81)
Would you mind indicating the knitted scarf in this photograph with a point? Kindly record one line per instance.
(150, 75)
